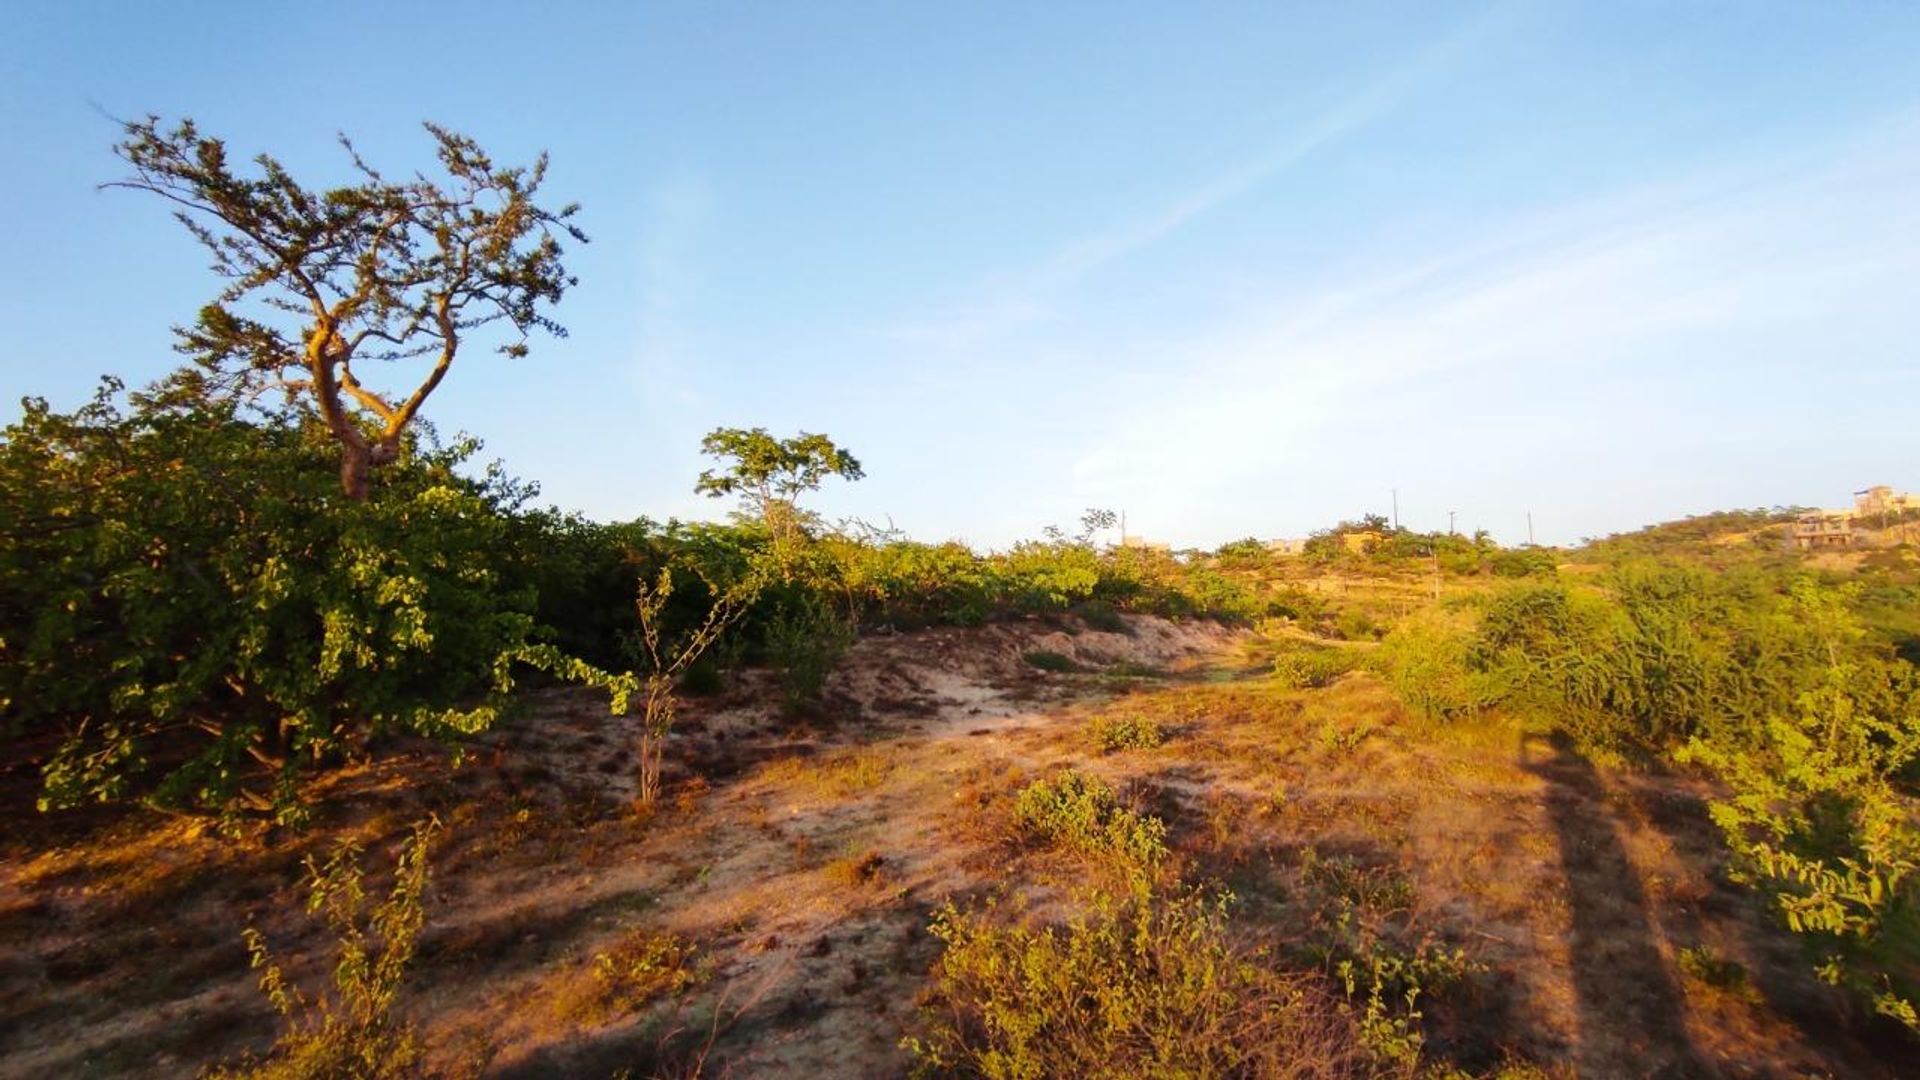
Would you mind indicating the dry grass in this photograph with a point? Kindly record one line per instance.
(806, 866)
(628, 975)
(840, 775)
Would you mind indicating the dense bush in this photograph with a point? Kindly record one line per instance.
(1141, 985)
(1824, 815)
(1654, 655)
(1080, 813)
(191, 612)
(908, 584)
(1778, 689)
(1425, 660)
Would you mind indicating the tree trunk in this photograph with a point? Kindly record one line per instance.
(356, 465)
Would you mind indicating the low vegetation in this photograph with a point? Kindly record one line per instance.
(1136, 985)
(352, 1032)
(1400, 804)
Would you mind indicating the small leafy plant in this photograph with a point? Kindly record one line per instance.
(1127, 731)
(1047, 660)
(635, 971)
(352, 1032)
(1079, 813)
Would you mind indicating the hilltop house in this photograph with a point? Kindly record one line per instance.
(1876, 508)
(1881, 501)
(1823, 529)
(1287, 547)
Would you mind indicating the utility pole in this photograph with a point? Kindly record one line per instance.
(1396, 509)
(1123, 528)
(1450, 514)
(1530, 528)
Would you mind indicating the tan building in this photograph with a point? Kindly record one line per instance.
(1881, 501)
(1823, 529)
(1287, 547)
(1877, 519)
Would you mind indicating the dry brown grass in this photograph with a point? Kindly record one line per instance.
(805, 865)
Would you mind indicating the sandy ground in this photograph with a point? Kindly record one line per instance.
(797, 862)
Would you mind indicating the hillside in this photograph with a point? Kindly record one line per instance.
(1561, 915)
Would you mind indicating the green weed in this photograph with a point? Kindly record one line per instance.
(1078, 812)
(1126, 731)
(353, 1031)
(1050, 661)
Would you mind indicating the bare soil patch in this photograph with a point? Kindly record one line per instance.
(796, 862)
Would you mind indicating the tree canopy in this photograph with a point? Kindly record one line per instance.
(324, 284)
(771, 473)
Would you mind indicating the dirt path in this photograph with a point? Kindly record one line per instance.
(798, 863)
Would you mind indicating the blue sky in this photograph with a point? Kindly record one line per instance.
(1235, 269)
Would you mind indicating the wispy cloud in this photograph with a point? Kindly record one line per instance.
(1525, 326)
(1023, 296)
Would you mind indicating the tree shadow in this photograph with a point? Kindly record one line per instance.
(1774, 964)
(1631, 1013)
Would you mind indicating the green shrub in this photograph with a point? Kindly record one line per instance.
(1773, 685)
(352, 1033)
(1100, 615)
(1079, 813)
(1522, 562)
(805, 640)
(1305, 667)
(1427, 660)
(905, 584)
(1126, 731)
(1047, 660)
(194, 614)
(1041, 577)
(1821, 821)
(1140, 986)
(1358, 626)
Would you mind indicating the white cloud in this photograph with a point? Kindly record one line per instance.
(1710, 278)
(1018, 299)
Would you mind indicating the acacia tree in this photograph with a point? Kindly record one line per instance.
(804, 636)
(376, 272)
(769, 474)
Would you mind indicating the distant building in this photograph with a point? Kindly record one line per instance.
(1143, 544)
(1823, 529)
(1287, 547)
(1874, 510)
(1882, 501)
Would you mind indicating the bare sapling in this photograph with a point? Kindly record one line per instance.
(666, 661)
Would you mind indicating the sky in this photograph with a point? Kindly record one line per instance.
(1233, 269)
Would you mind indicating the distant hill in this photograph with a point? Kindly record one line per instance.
(1705, 535)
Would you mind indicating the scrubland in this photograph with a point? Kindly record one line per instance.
(1356, 814)
(327, 754)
